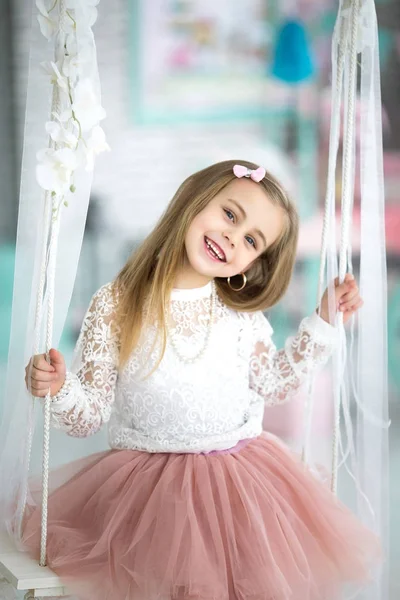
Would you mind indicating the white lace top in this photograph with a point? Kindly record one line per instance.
(210, 404)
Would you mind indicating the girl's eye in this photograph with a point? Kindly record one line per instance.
(229, 214)
(231, 217)
(251, 241)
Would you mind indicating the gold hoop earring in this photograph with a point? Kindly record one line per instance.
(243, 284)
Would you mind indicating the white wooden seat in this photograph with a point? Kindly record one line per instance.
(25, 574)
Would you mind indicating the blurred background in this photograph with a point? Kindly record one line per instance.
(186, 83)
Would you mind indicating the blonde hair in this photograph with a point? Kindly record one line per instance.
(149, 275)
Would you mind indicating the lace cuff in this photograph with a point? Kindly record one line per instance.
(65, 399)
(321, 332)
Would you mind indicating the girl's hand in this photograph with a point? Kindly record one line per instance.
(40, 375)
(347, 299)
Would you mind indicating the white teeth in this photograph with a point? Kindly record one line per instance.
(214, 249)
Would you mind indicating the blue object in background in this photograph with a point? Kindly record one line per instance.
(394, 336)
(293, 61)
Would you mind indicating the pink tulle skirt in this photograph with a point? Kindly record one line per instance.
(253, 524)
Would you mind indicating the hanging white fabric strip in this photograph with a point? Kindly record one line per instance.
(360, 438)
(372, 430)
(337, 57)
(348, 170)
(67, 60)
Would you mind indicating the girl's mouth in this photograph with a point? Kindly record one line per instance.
(213, 250)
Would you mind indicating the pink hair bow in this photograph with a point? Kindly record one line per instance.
(256, 174)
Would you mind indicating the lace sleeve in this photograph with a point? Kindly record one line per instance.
(276, 375)
(84, 402)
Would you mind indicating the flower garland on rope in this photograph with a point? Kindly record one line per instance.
(75, 136)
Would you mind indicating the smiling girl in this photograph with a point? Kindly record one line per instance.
(193, 500)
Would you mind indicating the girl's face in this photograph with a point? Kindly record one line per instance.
(227, 236)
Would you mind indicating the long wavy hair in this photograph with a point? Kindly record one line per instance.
(148, 277)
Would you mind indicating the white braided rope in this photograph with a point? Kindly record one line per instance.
(38, 316)
(347, 205)
(51, 271)
(49, 334)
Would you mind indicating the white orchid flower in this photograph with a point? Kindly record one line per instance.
(86, 107)
(60, 135)
(70, 67)
(73, 63)
(89, 13)
(53, 69)
(81, 47)
(71, 45)
(48, 24)
(74, 127)
(48, 27)
(68, 25)
(55, 168)
(94, 145)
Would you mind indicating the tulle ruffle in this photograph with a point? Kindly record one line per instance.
(250, 525)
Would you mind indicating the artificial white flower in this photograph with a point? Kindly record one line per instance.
(75, 126)
(55, 168)
(48, 27)
(48, 23)
(70, 67)
(94, 145)
(68, 25)
(86, 106)
(60, 135)
(53, 69)
(74, 62)
(88, 12)
(71, 46)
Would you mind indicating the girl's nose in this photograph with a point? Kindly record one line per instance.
(230, 237)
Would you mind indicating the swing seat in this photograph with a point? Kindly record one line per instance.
(24, 573)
